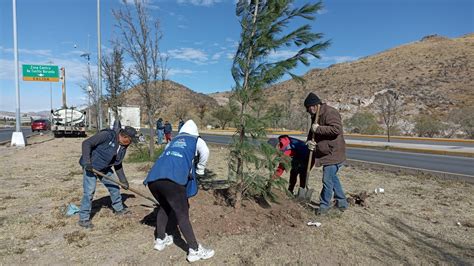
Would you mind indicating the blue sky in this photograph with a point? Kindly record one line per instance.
(200, 36)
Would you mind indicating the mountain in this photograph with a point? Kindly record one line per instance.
(176, 99)
(432, 76)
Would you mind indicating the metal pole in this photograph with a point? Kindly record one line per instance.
(17, 80)
(51, 102)
(99, 63)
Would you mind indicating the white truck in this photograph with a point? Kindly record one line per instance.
(129, 116)
(68, 122)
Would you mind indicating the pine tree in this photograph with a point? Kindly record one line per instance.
(263, 24)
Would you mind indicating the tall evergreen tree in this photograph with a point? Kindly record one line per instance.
(264, 25)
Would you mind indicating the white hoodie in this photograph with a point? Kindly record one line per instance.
(201, 148)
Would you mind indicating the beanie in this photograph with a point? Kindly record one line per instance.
(311, 99)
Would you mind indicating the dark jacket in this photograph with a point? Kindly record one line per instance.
(168, 128)
(331, 147)
(101, 151)
(159, 125)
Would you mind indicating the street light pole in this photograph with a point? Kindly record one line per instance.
(99, 63)
(50, 98)
(89, 90)
(17, 137)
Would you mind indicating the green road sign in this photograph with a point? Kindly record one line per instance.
(41, 73)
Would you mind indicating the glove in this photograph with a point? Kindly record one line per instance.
(88, 167)
(200, 172)
(314, 127)
(124, 182)
(311, 144)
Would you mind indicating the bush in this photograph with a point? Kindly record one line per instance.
(464, 118)
(363, 123)
(427, 126)
(139, 154)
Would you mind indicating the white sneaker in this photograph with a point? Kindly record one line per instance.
(200, 254)
(160, 244)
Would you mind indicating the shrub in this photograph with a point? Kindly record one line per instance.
(427, 126)
(363, 123)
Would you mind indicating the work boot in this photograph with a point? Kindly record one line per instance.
(160, 244)
(86, 224)
(322, 211)
(200, 254)
(123, 211)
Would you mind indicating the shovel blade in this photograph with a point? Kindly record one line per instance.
(305, 194)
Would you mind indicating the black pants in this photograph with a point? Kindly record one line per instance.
(172, 198)
(298, 167)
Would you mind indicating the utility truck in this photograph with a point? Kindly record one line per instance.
(129, 116)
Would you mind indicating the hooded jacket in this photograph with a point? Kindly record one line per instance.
(177, 162)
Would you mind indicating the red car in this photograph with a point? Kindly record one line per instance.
(40, 124)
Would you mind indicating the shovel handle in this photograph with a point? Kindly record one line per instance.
(123, 186)
(308, 168)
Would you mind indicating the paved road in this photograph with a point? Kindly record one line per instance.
(6, 133)
(411, 141)
(448, 164)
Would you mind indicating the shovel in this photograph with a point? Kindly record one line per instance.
(304, 194)
(113, 180)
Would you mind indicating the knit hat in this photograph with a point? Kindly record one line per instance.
(311, 99)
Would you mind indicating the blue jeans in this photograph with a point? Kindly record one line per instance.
(89, 184)
(160, 134)
(332, 184)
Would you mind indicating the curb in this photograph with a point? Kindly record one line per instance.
(416, 150)
(412, 138)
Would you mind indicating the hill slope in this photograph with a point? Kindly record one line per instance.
(433, 75)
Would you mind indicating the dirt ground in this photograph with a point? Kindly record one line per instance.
(417, 220)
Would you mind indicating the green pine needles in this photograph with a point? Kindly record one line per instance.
(265, 30)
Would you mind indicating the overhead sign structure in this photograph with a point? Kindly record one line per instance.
(41, 73)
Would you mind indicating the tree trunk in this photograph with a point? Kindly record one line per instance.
(151, 143)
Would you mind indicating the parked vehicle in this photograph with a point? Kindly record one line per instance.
(129, 116)
(40, 125)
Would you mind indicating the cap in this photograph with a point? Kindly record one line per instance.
(130, 132)
(311, 99)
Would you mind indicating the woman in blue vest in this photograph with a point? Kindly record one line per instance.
(172, 180)
(101, 152)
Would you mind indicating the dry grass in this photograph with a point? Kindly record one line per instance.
(418, 220)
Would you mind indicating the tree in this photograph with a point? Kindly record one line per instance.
(202, 110)
(181, 111)
(363, 123)
(114, 72)
(263, 24)
(389, 107)
(275, 114)
(223, 114)
(427, 126)
(141, 36)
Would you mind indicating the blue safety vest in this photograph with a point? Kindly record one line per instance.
(176, 163)
(105, 155)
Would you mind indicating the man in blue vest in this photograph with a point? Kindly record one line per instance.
(172, 180)
(101, 152)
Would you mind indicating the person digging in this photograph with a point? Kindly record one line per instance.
(100, 152)
(326, 140)
(298, 152)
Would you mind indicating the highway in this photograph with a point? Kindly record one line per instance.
(427, 162)
(6, 133)
(413, 141)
